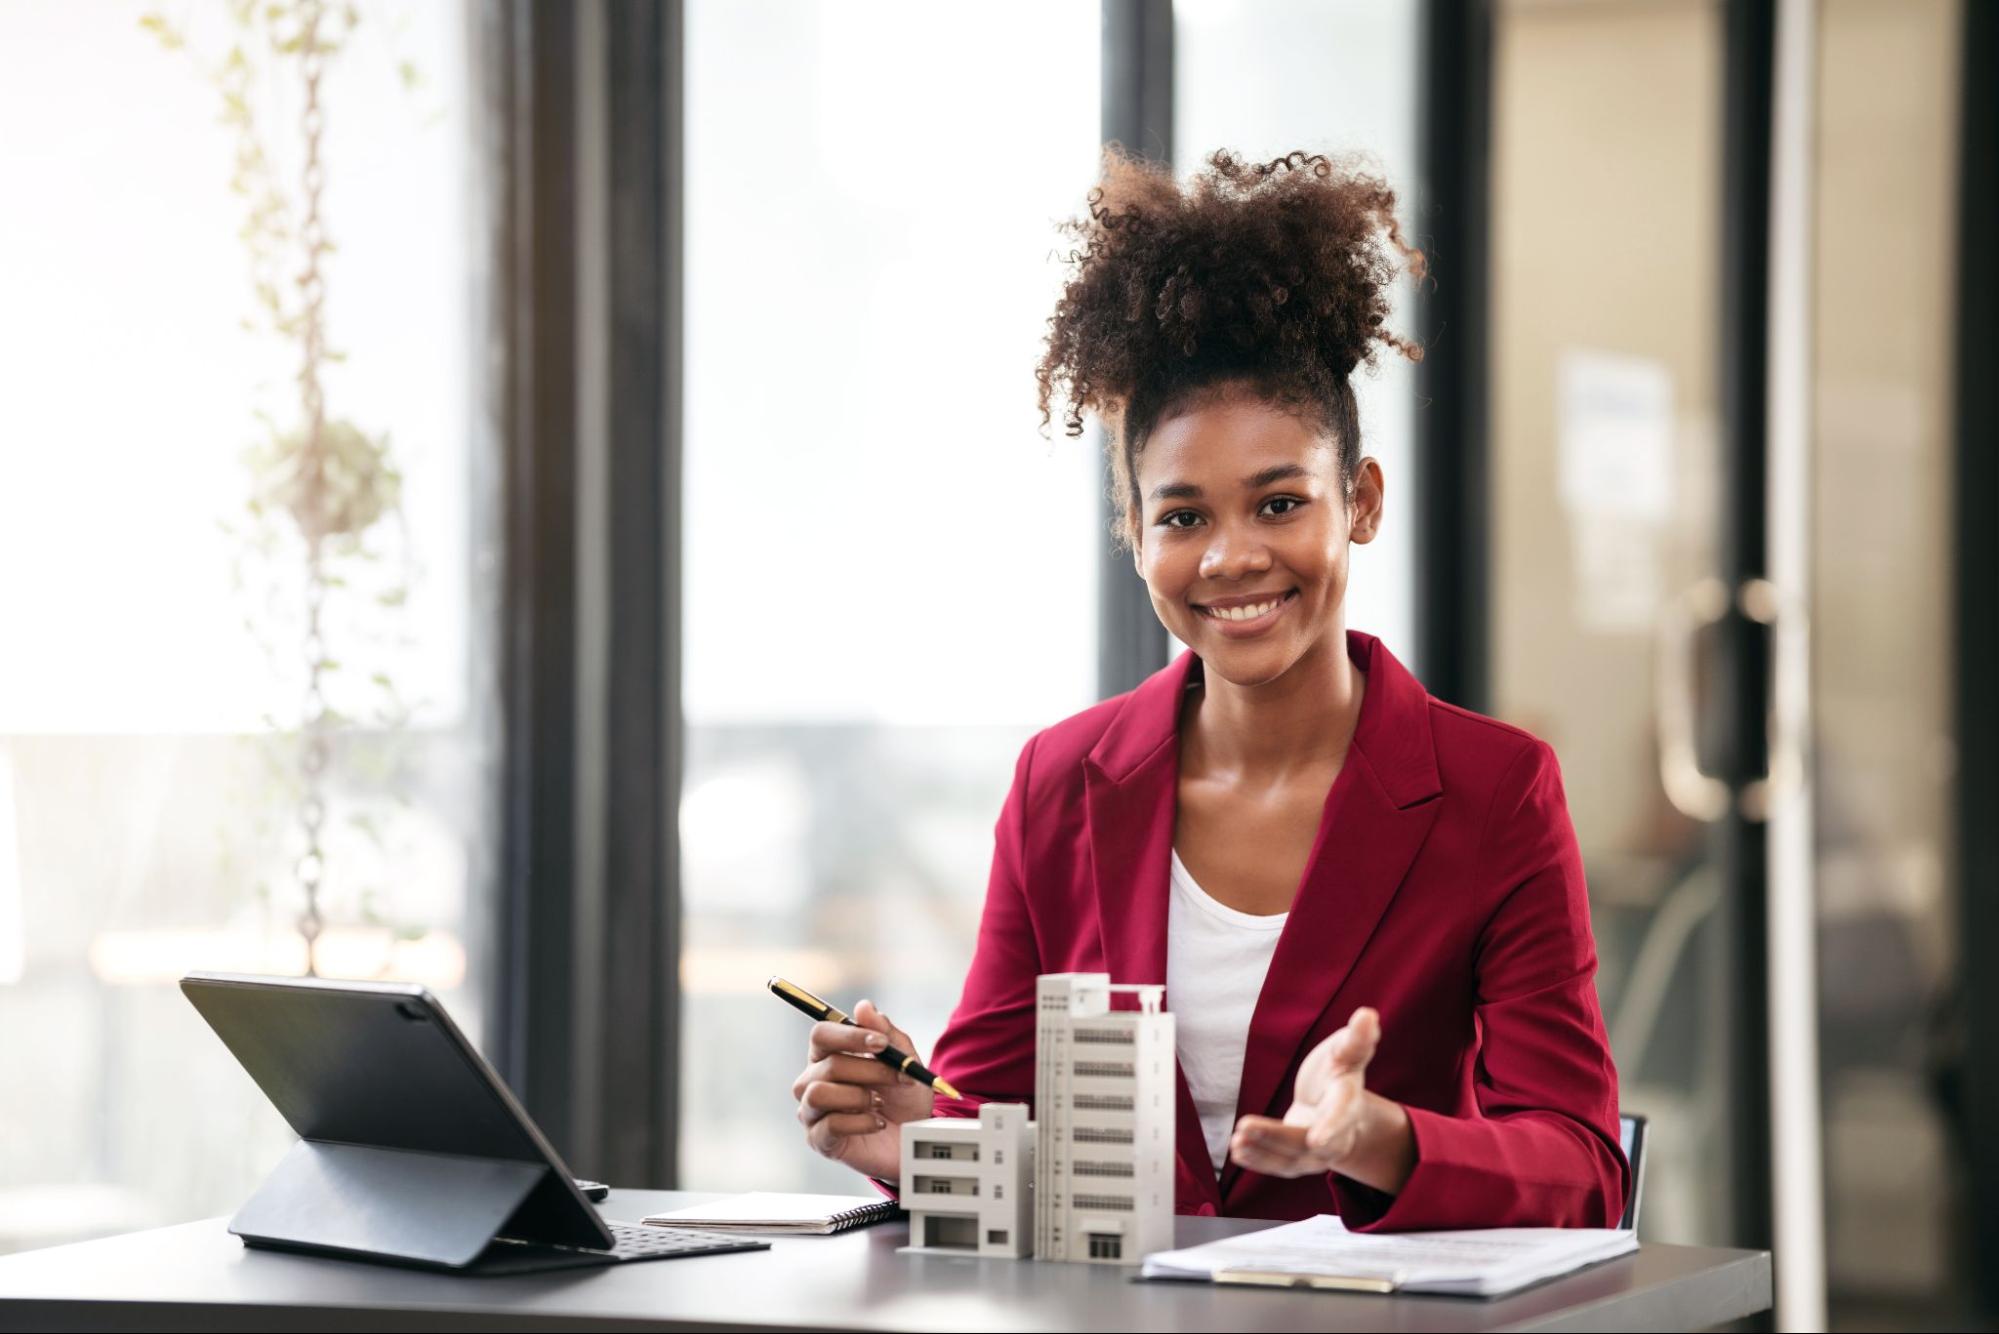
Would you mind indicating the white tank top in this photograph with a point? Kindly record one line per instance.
(1216, 958)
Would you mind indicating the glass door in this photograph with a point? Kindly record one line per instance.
(1628, 499)
(1884, 289)
(1608, 488)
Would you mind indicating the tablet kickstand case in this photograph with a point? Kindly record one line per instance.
(411, 1150)
(404, 1206)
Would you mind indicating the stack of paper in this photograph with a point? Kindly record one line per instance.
(761, 1211)
(1320, 1252)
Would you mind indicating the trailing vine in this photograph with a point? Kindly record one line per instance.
(322, 488)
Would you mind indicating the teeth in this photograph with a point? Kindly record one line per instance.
(1242, 613)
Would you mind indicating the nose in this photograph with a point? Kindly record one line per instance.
(1233, 554)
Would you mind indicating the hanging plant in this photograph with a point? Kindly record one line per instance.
(333, 493)
(321, 487)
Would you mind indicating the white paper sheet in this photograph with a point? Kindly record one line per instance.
(1484, 1263)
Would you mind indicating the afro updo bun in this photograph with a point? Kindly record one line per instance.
(1270, 276)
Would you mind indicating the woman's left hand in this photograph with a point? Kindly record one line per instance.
(1334, 1123)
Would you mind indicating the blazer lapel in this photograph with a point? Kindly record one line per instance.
(1131, 846)
(1131, 791)
(1376, 817)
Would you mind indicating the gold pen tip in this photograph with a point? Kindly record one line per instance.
(943, 1086)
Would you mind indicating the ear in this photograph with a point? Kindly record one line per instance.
(1134, 538)
(1364, 506)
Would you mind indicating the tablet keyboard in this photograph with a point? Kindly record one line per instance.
(635, 1241)
(631, 1241)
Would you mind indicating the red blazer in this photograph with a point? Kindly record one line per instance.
(1444, 889)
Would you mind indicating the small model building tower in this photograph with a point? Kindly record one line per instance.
(1103, 1102)
(966, 1183)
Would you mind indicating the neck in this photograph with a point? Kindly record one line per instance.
(1269, 732)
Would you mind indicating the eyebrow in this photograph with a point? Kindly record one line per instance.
(1188, 491)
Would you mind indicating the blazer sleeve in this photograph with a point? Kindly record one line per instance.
(1544, 1149)
(987, 1048)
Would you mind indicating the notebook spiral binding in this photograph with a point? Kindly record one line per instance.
(864, 1215)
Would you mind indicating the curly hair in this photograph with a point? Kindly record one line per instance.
(1267, 276)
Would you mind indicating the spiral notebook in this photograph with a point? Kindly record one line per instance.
(793, 1215)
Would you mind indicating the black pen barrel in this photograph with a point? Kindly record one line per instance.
(900, 1061)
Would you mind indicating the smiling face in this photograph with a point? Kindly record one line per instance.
(1242, 534)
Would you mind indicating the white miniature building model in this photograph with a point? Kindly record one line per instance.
(966, 1183)
(1103, 1105)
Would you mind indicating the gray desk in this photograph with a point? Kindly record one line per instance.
(197, 1276)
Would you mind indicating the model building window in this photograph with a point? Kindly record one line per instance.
(1105, 1247)
(1103, 1070)
(1105, 1102)
(1107, 1203)
(962, 1233)
(1101, 1135)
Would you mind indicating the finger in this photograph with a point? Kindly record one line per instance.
(1271, 1138)
(845, 1070)
(1270, 1147)
(828, 1037)
(867, 1014)
(1353, 1046)
(826, 1134)
(822, 1098)
(1253, 1159)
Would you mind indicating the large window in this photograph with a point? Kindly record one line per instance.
(152, 684)
(889, 576)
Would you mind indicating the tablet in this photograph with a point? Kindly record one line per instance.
(411, 1148)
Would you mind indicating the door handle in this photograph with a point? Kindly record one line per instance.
(1763, 603)
(1694, 792)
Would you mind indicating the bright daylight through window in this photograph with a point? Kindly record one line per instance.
(889, 576)
(157, 776)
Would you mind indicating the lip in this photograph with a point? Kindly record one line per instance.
(1246, 629)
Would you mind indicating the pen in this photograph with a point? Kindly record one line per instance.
(798, 998)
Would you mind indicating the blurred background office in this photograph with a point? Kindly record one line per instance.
(545, 500)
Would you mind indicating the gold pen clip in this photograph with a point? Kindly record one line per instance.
(800, 995)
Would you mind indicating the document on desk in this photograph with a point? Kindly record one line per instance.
(1321, 1253)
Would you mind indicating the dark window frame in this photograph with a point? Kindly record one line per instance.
(1137, 100)
(583, 150)
(1742, 647)
(1976, 1098)
(1452, 221)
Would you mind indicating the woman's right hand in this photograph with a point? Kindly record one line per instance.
(851, 1105)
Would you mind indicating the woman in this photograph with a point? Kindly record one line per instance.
(1367, 905)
